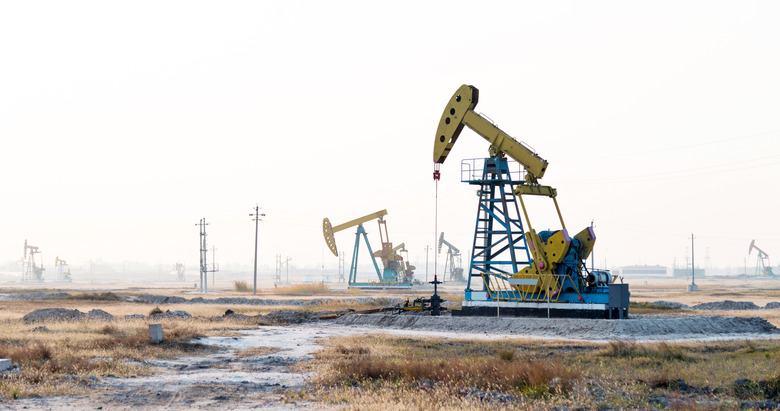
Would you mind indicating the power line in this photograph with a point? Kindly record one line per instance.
(676, 148)
(687, 173)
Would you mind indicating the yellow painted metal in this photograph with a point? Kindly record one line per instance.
(547, 288)
(557, 246)
(535, 190)
(459, 112)
(328, 230)
(558, 209)
(588, 239)
(401, 247)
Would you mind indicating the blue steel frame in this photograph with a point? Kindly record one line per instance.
(353, 267)
(499, 238)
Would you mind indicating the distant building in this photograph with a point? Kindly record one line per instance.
(644, 271)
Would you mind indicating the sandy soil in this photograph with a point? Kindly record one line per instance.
(221, 380)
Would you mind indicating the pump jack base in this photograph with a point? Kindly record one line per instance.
(381, 286)
(532, 309)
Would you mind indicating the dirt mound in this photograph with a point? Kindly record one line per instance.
(34, 296)
(289, 317)
(635, 328)
(99, 315)
(171, 314)
(64, 314)
(53, 314)
(772, 306)
(157, 299)
(726, 305)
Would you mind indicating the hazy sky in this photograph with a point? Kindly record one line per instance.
(124, 123)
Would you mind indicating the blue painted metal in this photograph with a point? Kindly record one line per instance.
(500, 248)
(499, 245)
(387, 278)
(353, 267)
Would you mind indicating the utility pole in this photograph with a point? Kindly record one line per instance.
(693, 263)
(287, 268)
(204, 267)
(256, 216)
(592, 253)
(213, 263)
(427, 247)
(692, 286)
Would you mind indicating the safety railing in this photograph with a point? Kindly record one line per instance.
(501, 289)
(472, 170)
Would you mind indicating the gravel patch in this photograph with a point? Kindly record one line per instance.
(97, 314)
(643, 328)
(33, 296)
(727, 305)
(53, 314)
(672, 304)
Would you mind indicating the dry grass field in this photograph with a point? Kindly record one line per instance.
(67, 357)
(382, 372)
(391, 372)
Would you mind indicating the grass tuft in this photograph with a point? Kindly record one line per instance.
(241, 287)
(506, 355)
(658, 351)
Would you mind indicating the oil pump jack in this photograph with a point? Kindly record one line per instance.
(452, 264)
(763, 268)
(63, 270)
(514, 268)
(30, 270)
(395, 273)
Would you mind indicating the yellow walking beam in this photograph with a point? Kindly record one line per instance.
(460, 112)
(328, 230)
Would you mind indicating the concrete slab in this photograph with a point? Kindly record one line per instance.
(155, 332)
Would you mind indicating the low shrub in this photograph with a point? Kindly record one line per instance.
(241, 287)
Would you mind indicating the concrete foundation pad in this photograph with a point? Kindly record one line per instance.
(5, 364)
